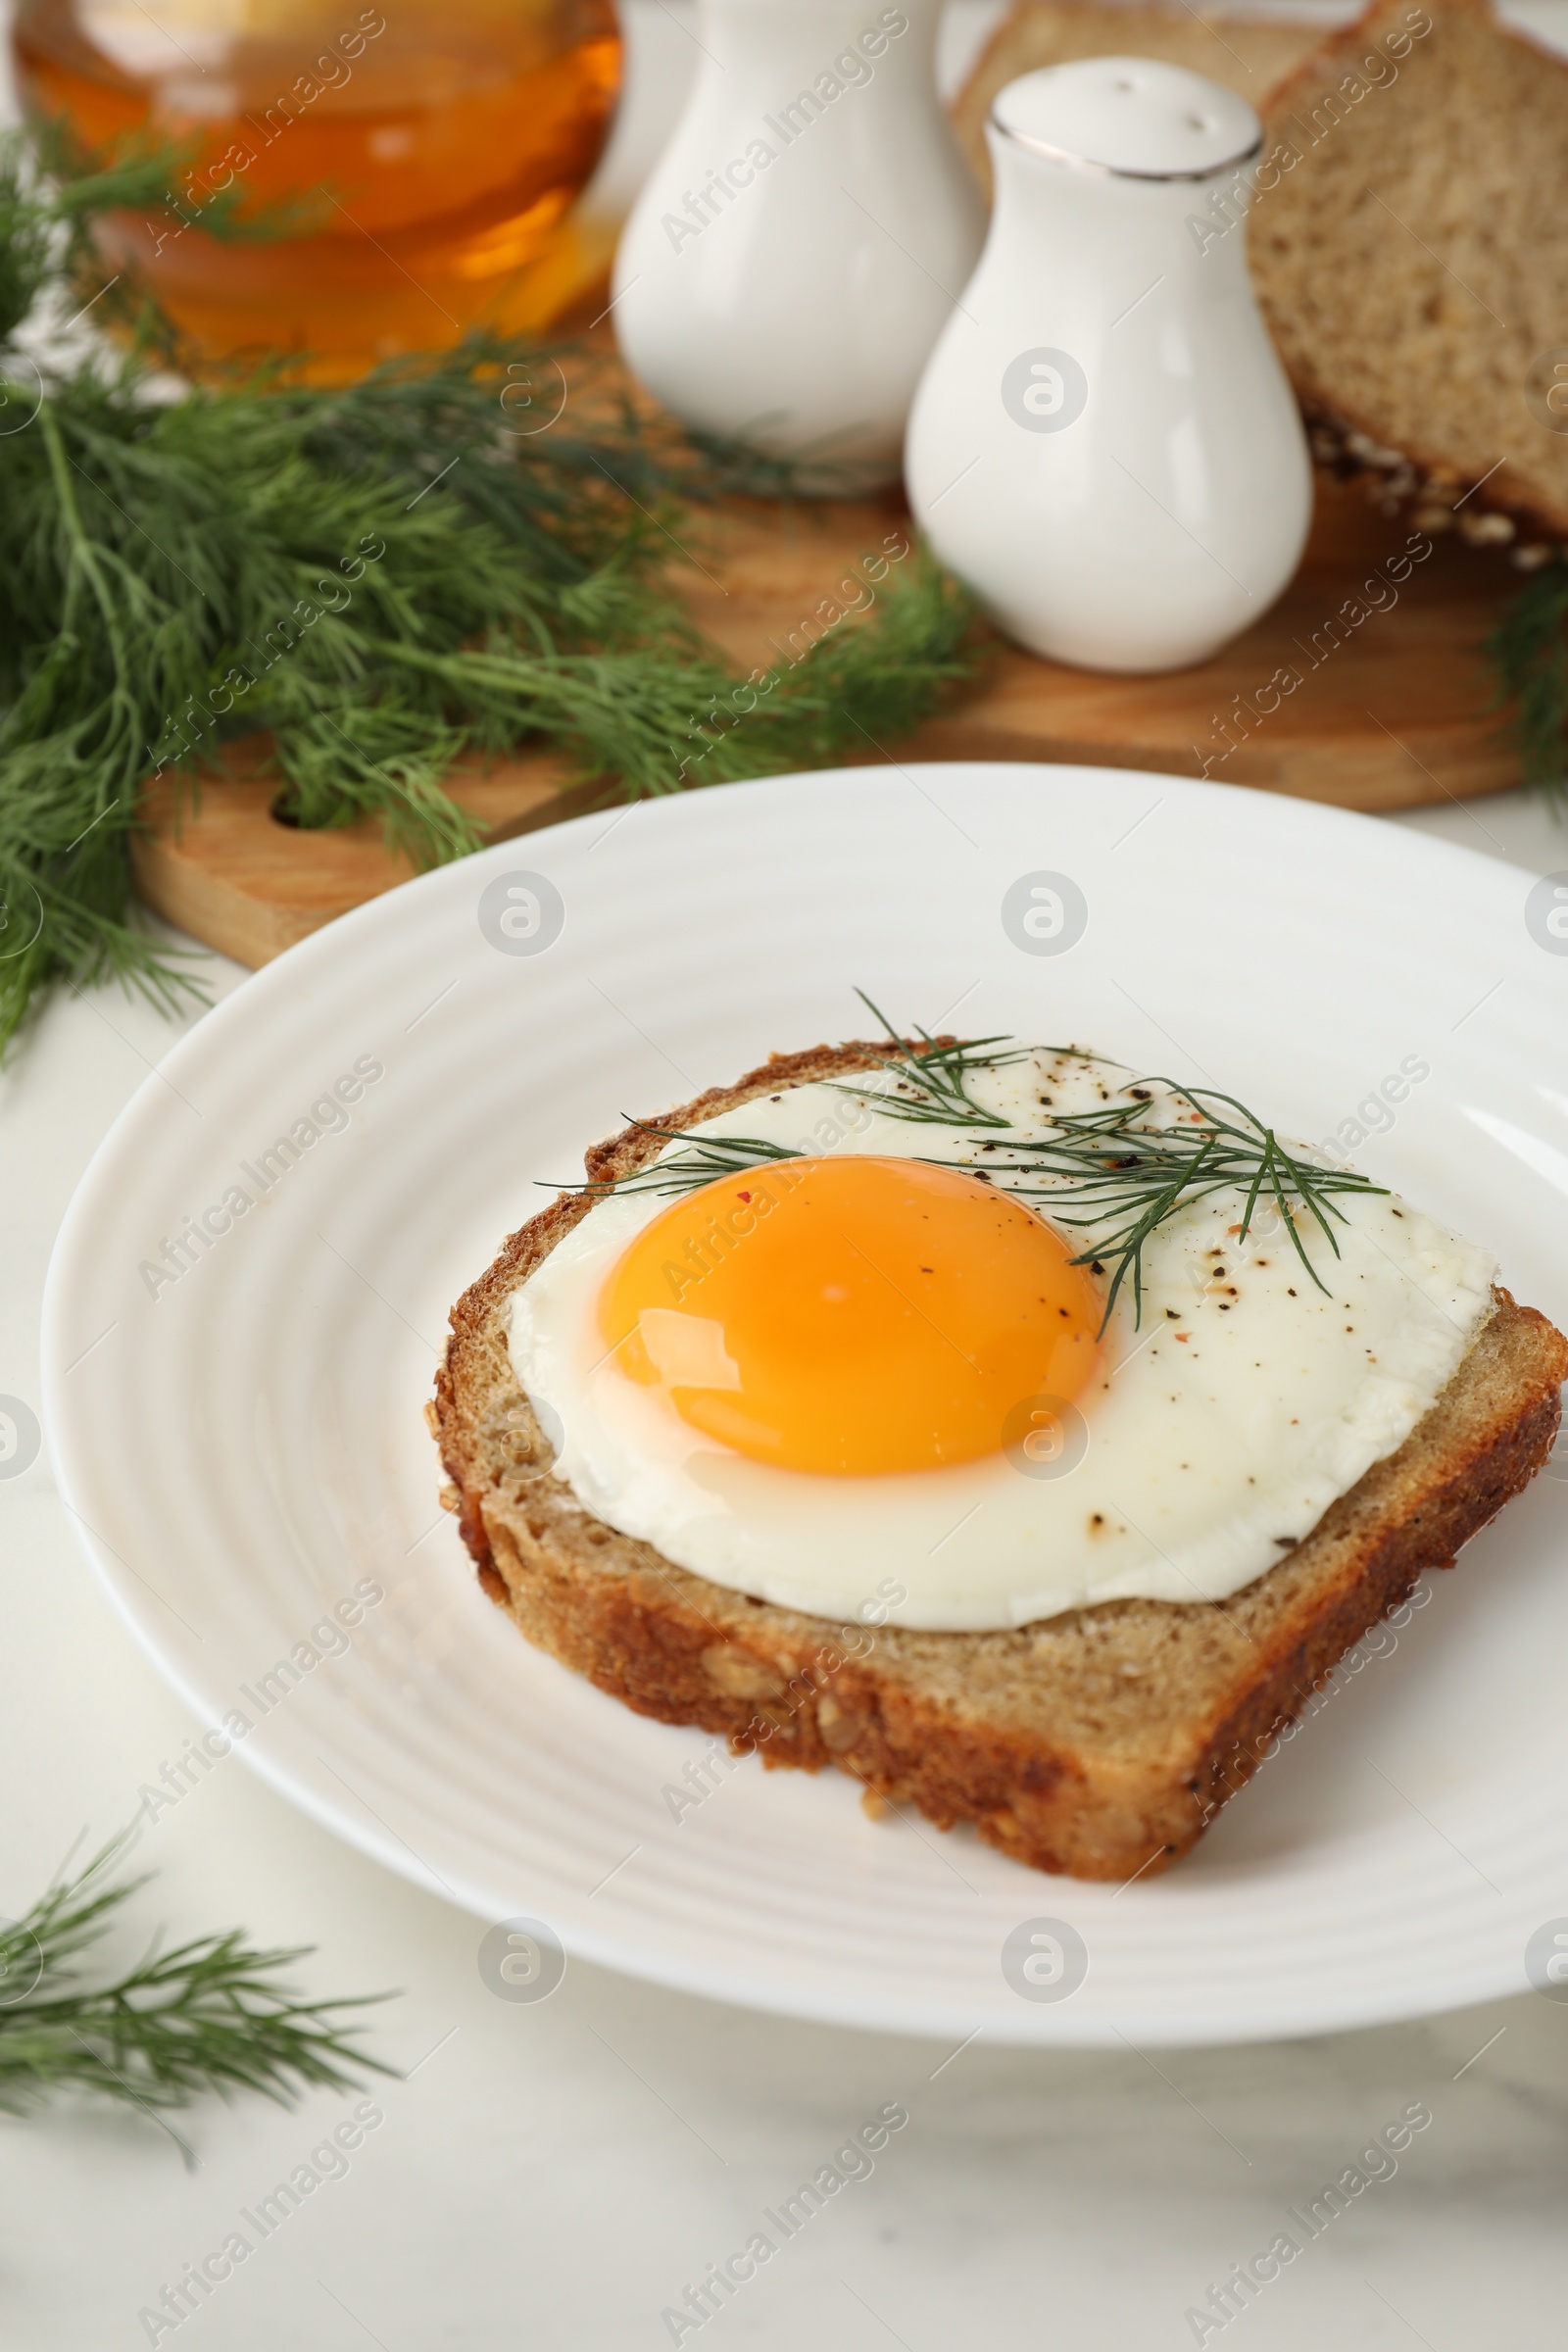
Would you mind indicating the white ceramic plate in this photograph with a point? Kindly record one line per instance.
(243, 1446)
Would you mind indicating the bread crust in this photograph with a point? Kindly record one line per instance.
(1098, 1743)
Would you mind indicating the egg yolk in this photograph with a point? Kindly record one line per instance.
(852, 1315)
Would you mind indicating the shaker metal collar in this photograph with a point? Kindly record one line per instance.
(1084, 163)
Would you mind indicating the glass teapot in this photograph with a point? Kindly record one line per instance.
(434, 148)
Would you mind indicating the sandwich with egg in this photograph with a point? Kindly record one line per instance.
(1023, 1434)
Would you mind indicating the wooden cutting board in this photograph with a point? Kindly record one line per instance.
(1389, 708)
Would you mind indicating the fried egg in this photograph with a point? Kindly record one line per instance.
(867, 1380)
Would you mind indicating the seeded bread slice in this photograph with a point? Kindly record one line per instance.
(1100, 1742)
(1413, 261)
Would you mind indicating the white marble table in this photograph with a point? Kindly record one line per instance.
(556, 2176)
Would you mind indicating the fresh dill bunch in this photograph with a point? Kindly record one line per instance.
(213, 2014)
(1529, 655)
(467, 553)
(1122, 1170)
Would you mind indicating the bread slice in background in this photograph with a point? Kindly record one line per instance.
(1412, 258)
(1247, 54)
(1413, 265)
(1100, 1742)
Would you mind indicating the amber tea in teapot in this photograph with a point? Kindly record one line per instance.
(436, 152)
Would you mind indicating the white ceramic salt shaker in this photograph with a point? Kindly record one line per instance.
(1104, 444)
(791, 261)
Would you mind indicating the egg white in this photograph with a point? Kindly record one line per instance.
(1218, 1430)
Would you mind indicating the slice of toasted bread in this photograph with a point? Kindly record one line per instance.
(1099, 1741)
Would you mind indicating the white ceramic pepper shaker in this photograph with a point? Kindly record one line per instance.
(1104, 444)
(791, 261)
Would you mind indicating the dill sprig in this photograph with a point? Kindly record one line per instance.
(710, 1157)
(375, 582)
(1112, 1168)
(209, 2014)
(1529, 655)
(1122, 1170)
(934, 1075)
